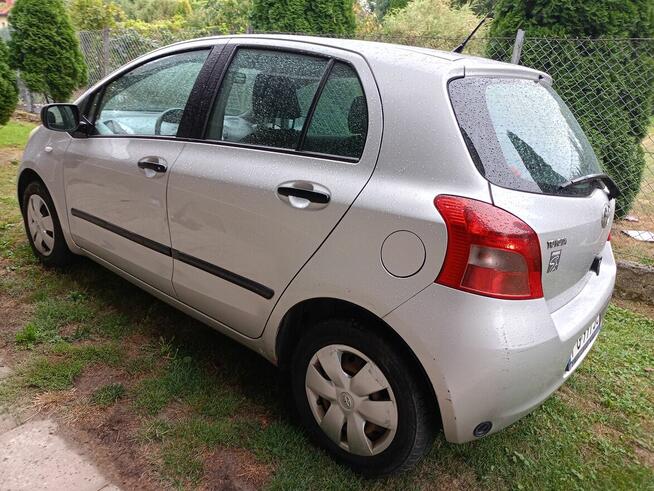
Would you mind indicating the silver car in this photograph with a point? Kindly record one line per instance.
(419, 239)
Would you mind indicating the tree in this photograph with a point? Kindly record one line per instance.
(91, 15)
(430, 20)
(230, 16)
(382, 7)
(305, 16)
(45, 49)
(613, 108)
(479, 7)
(154, 10)
(8, 89)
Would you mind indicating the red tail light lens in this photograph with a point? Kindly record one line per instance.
(489, 251)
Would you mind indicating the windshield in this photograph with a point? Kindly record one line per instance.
(521, 135)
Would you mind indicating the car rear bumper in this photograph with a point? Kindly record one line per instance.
(496, 360)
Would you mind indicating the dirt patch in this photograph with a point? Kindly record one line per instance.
(109, 438)
(642, 308)
(9, 155)
(573, 399)
(644, 455)
(25, 116)
(175, 411)
(233, 469)
(95, 377)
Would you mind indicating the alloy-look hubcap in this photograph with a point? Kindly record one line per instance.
(40, 224)
(351, 400)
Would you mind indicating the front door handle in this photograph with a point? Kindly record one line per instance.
(155, 164)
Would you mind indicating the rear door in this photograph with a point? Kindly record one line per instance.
(291, 140)
(526, 142)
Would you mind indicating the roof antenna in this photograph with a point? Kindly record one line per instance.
(461, 47)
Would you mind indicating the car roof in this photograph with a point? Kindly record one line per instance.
(382, 57)
(378, 53)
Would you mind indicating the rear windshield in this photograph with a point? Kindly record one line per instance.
(521, 135)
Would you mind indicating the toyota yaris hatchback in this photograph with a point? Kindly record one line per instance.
(419, 238)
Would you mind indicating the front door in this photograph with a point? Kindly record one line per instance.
(291, 141)
(116, 178)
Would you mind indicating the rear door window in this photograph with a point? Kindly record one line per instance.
(340, 121)
(521, 135)
(265, 97)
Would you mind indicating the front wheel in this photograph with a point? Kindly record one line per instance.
(42, 226)
(360, 399)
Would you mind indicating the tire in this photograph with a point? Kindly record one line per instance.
(398, 439)
(44, 234)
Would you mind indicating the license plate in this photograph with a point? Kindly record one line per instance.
(584, 341)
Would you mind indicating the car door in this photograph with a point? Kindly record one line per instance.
(115, 179)
(291, 140)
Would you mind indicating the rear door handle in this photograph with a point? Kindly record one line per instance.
(313, 196)
(304, 194)
(153, 163)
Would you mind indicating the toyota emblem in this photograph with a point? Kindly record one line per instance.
(606, 214)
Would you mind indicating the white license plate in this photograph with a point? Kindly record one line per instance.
(584, 341)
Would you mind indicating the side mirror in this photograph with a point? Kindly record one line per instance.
(60, 117)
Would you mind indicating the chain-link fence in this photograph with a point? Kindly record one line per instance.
(605, 83)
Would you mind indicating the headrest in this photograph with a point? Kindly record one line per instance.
(273, 96)
(357, 118)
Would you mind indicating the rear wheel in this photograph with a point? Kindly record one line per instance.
(360, 399)
(43, 227)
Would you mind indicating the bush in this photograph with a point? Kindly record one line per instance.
(606, 82)
(305, 16)
(45, 48)
(421, 20)
(8, 89)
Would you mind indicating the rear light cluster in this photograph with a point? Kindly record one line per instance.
(489, 251)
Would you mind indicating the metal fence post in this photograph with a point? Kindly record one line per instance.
(106, 53)
(517, 46)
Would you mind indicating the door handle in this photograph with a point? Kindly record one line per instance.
(153, 163)
(317, 197)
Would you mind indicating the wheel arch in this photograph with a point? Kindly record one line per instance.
(26, 176)
(310, 311)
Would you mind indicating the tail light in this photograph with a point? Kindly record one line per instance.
(489, 251)
(608, 239)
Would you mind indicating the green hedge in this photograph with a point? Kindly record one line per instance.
(8, 89)
(607, 81)
(304, 16)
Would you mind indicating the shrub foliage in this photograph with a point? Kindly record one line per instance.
(305, 16)
(8, 89)
(613, 108)
(45, 48)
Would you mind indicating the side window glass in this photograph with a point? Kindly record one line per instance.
(150, 99)
(265, 97)
(340, 121)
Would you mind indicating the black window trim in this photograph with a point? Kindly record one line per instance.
(222, 66)
(195, 121)
(190, 110)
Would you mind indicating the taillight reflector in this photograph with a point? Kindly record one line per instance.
(489, 251)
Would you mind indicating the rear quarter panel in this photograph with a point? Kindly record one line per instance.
(422, 155)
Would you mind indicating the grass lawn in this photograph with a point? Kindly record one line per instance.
(14, 134)
(171, 404)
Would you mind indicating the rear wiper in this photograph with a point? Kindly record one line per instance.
(610, 184)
